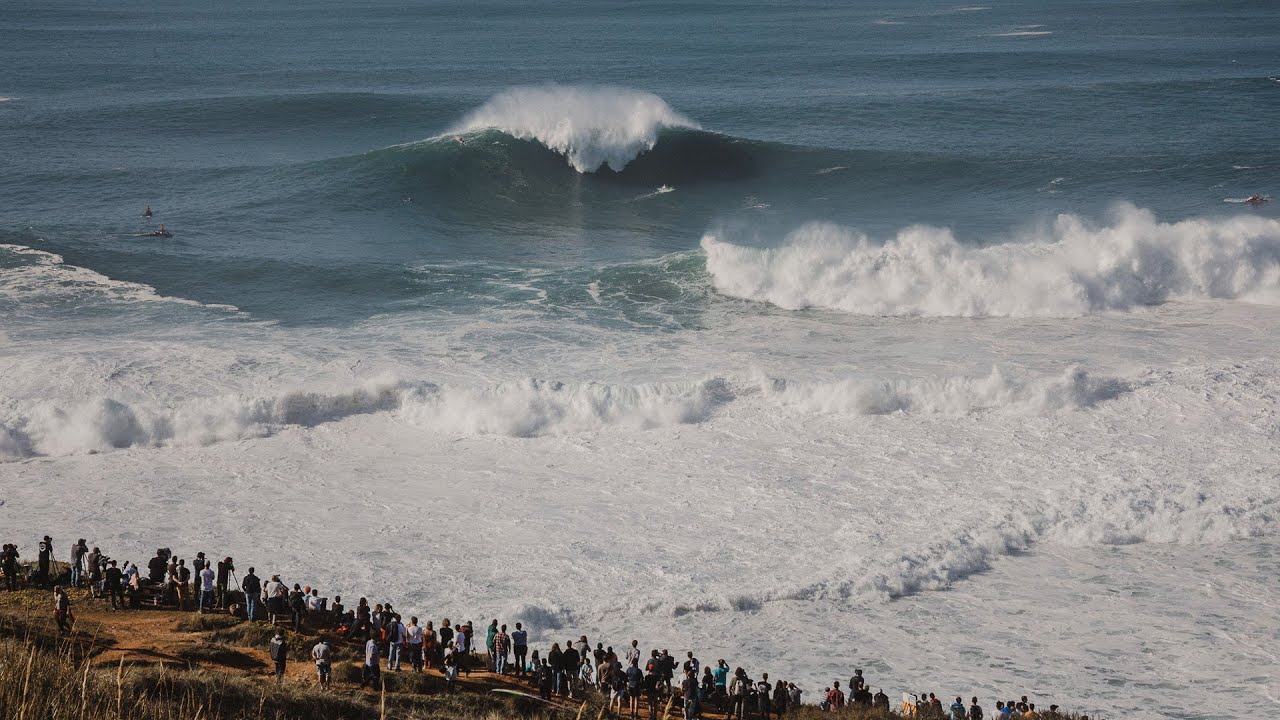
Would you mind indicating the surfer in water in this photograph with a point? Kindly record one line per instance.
(147, 212)
(1256, 199)
(162, 232)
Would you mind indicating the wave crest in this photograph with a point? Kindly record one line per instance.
(1073, 270)
(524, 409)
(528, 408)
(590, 126)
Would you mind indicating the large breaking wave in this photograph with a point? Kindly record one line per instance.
(1072, 269)
(590, 126)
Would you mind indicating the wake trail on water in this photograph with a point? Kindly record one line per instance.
(591, 126)
(1070, 270)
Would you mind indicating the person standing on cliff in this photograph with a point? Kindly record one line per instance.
(279, 655)
(501, 647)
(9, 563)
(251, 585)
(44, 560)
(62, 610)
(520, 641)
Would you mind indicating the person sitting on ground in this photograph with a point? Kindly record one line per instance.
(362, 624)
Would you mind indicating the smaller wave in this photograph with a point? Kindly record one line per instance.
(527, 408)
(7, 98)
(591, 126)
(41, 276)
(1075, 389)
(1072, 270)
(1022, 33)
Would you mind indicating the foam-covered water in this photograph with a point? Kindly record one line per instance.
(729, 328)
(1071, 269)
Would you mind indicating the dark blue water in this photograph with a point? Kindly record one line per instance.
(262, 136)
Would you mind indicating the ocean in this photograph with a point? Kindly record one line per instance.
(931, 339)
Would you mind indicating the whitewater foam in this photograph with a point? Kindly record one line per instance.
(590, 126)
(526, 408)
(50, 278)
(1074, 389)
(1071, 270)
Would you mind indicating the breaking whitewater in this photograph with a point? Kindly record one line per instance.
(1024, 464)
